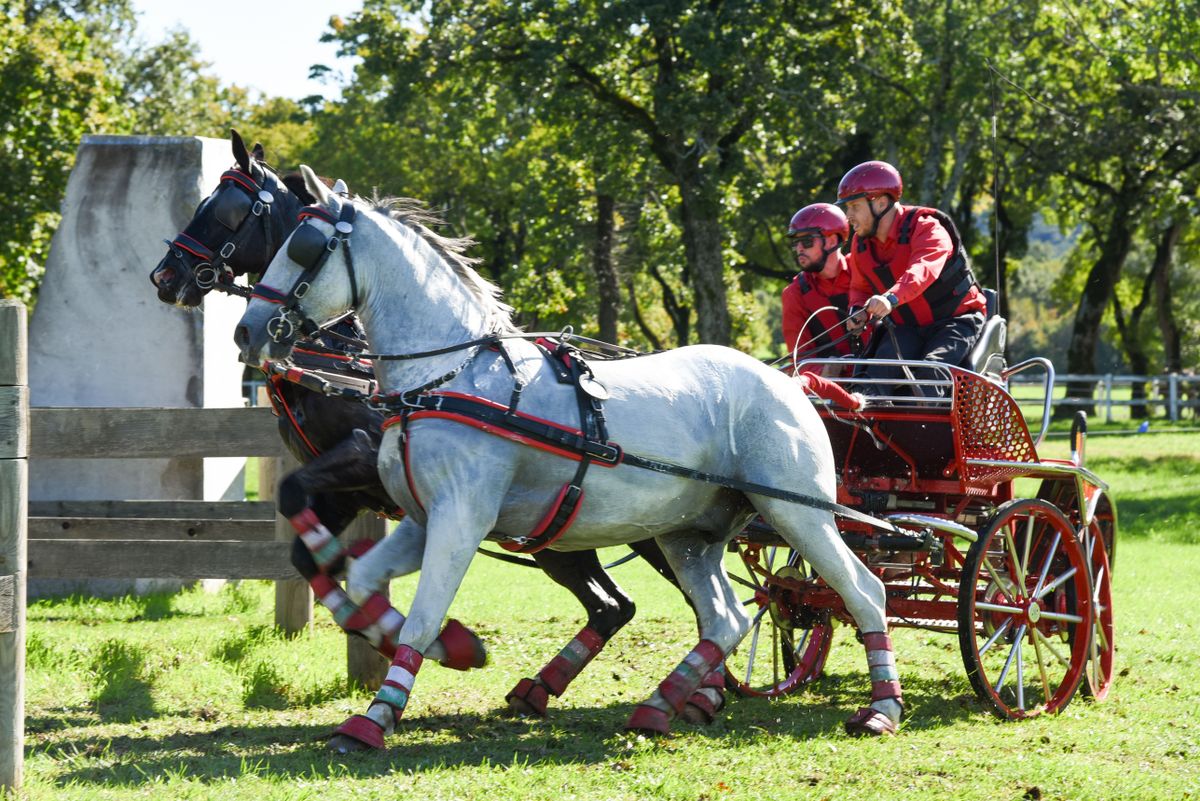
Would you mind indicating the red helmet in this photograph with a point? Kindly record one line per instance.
(870, 179)
(820, 218)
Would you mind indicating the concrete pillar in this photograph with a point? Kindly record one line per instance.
(99, 335)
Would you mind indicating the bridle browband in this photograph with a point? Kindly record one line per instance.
(309, 248)
(231, 211)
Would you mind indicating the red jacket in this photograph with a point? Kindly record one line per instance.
(807, 293)
(922, 262)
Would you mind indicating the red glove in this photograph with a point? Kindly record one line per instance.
(822, 387)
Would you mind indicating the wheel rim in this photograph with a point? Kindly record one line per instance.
(1099, 670)
(787, 645)
(1025, 611)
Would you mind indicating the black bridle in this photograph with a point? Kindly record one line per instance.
(309, 248)
(238, 198)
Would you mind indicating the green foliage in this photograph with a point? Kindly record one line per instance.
(55, 85)
(709, 124)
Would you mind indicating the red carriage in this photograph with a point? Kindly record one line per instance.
(1023, 581)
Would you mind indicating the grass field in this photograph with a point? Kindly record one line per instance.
(195, 696)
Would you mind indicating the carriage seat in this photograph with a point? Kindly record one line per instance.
(987, 356)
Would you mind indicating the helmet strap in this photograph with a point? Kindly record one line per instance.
(877, 217)
(820, 265)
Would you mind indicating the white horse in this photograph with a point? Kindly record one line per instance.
(709, 408)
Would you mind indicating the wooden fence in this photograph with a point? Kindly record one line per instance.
(187, 540)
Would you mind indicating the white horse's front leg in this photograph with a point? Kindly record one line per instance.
(399, 554)
(455, 530)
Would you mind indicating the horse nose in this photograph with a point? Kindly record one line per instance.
(241, 337)
(162, 275)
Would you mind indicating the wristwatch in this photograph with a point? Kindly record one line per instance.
(892, 299)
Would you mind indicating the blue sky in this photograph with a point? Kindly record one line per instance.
(263, 45)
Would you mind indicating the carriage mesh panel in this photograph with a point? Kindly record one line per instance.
(990, 426)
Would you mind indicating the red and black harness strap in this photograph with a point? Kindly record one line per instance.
(586, 444)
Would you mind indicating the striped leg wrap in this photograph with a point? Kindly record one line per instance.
(325, 548)
(885, 681)
(375, 620)
(684, 680)
(392, 697)
(562, 669)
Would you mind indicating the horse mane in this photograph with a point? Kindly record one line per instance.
(417, 217)
(294, 182)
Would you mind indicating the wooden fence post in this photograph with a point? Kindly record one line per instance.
(1173, 397)
(365, 665)
(14, 502)
(293, 597)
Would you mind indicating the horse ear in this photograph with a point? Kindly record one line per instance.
(258, 152)
(340, 188)
(314, 185)
(239, 150)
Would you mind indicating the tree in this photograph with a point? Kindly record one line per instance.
(683, 86)
(1122, 74)
(55, 85)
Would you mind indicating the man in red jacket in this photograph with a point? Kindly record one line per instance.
(815, 304)
(907, 264)
(817, 301)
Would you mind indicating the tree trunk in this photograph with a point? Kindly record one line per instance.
(1097, 293)
(680, 313)
(1169, 329)
(607, 285)
(700, 216)
(1135, 350)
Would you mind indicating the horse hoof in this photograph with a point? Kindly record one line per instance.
(464, 649)
(649, 721)
(528, 699)
(868, 722)
(701, 709)
(341, 744)
(358, 733)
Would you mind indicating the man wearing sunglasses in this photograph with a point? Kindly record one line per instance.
(816, 303)
(907, 264)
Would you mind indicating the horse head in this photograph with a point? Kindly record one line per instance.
(235, 230)
(420, 287)
(293, 274)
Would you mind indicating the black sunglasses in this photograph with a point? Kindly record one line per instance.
(805, 240)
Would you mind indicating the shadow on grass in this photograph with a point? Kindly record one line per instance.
(1163, 518)
(122, 691)
(581, 736)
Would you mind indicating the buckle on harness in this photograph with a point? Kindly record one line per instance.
(281, 328)
(205, 275)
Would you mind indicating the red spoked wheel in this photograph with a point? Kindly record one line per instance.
(788, 643)
(1099, 671)
(1025, 614)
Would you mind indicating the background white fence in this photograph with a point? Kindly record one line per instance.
(1174, 396)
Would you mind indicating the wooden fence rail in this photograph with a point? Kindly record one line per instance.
(187, 540)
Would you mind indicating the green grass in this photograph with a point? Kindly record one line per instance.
(196, 696)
